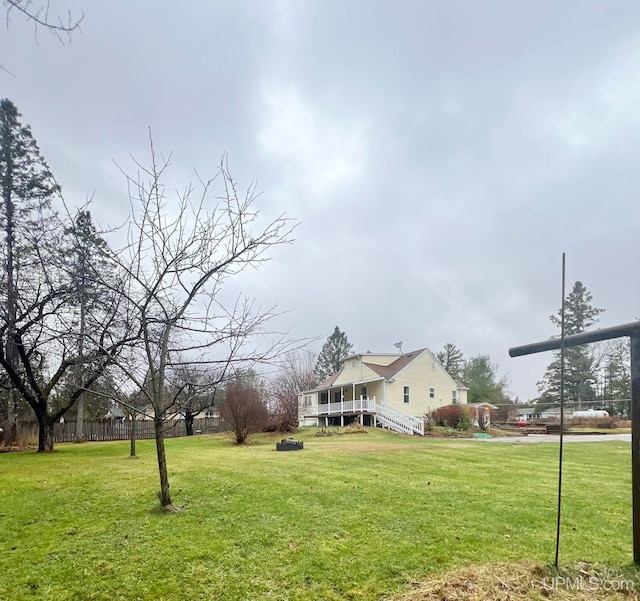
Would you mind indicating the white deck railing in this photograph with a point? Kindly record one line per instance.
(386, 416)
(358, 406)
(399, 420)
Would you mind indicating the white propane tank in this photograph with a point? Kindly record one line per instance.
(591, 413)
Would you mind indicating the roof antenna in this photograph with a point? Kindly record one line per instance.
(398, 345)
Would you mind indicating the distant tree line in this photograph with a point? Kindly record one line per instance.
(596, 375)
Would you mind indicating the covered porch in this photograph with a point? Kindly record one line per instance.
(342, 413)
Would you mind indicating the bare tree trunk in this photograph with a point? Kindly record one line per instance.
(188, 422)
(163, 495)
(45, 435)
(11, 304)
(83, 328)
(80, 421)
(133, 435)
(11, 432)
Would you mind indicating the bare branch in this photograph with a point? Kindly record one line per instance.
(39, 15)
(181, 252)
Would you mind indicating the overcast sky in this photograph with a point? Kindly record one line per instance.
(440, 156)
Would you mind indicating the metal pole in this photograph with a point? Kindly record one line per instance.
(561, 414)
(633, 331)
(635, 441)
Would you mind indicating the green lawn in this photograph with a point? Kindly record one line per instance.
(350, 517)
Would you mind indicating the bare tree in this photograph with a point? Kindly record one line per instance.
(296, 375)
(244, 409)
(181, 252)
(39, 340)
(45, 340)
(40, 16)
(194, 390)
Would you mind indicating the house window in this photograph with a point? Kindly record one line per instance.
(432, 393)
(454, 397)
(406, 394)
(363, 392)
(209, 414)
(353, 363)
(306, 402)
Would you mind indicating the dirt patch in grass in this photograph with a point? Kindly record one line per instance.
(528, 581)
(16, 449)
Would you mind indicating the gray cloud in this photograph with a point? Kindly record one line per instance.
(439, 156)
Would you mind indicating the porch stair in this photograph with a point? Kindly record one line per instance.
(399, 421)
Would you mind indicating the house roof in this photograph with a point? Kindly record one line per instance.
(384, 371)
(370, 353)
(484, 404)
(388, 371)
(114, 412)
(328, 382)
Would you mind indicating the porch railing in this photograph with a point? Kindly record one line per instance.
(360, 405)
(399, 420)
(385, 415)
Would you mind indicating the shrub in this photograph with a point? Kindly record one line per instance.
(326, 432)
(429, 420)
(355, 427)
(604, 423)
(243, 409)
(454, 416)
(281, 422)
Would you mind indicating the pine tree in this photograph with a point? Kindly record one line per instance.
(580, 364)
(39, 329)
(480, 376)
(616, 376)
(332, 355)
(86, 262)
(452, 359)
(28, 187)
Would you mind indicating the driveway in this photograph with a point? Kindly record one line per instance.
(533, 438)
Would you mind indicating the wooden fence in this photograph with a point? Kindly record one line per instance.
(121, 430)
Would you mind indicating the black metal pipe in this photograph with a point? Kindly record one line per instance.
(633, 331)
(553, 344)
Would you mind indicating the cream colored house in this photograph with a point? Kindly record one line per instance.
(392, 390)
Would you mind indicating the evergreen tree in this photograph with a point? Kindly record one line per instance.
(39, 329)
(332, 355)
(616, 376)
(452, 359)
(580, 363)
(28, 187)
(86, 262)
(480, 376)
